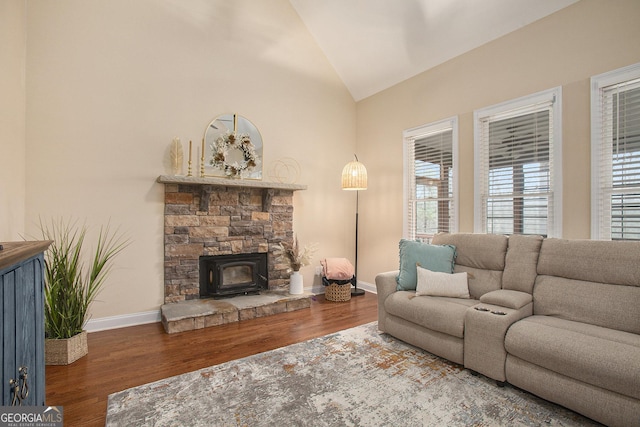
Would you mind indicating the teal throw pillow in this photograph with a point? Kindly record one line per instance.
(440, 258)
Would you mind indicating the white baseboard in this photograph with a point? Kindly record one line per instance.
(153, 316)
(369, 287)
(114, 322)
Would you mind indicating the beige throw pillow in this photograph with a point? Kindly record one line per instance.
(437, 284)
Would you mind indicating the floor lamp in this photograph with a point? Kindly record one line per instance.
(354, 177)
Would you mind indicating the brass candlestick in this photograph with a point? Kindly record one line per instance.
(202, 160)
(189, 169)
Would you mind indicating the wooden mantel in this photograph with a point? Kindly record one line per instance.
(227, 182)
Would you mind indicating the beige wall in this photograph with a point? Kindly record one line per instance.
(564, 49)
(12, 118)
(111, 83)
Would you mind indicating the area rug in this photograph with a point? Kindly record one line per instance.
(356, 377)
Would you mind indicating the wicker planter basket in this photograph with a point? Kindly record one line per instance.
(65, 351)
(335, 292)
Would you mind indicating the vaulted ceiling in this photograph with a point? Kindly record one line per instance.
(375, 44)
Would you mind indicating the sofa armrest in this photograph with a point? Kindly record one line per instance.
(485, 326)
(507, 298)
(385, 285)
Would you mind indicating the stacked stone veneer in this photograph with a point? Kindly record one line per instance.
(218, 220)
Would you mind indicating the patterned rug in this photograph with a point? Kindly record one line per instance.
(356, 377)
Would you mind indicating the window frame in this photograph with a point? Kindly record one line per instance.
(528, 102)
(598, 84)
(408, 137)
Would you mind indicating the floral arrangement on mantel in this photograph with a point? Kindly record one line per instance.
(228, 141)
(297, 257)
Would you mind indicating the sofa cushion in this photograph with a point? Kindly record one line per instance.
(591, 260)
(507, 298)
(609, 306)
(439, 314)
(483, 251)
(480, 281)
(442, 284)
(481, 256)
(433, 257)
(521, 263)
(594, 355)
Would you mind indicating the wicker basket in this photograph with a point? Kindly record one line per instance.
(335, 292)
(65, 351)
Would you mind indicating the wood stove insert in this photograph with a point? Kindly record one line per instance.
(223, 276)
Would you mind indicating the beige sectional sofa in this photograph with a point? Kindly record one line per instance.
(559, 318)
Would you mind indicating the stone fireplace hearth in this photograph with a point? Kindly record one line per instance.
(219, 216)
(203, 313)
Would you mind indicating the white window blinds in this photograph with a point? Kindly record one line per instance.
(516, 149)
(430, 180)
(616, 155)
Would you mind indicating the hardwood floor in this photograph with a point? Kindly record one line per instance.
(122, 358)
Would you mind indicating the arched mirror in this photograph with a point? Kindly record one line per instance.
(233, 148)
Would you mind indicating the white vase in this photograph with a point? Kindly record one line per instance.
(295, 284)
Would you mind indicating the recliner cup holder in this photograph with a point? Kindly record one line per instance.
(499, 313)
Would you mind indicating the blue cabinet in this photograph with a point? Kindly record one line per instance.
(22, 327)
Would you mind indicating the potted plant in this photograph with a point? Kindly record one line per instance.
(297, 258)
(71, 286)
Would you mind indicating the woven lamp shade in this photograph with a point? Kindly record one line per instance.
(354, 176)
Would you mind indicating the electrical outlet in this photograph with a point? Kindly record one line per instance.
(318, 271)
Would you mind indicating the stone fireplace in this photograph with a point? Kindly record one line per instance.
(217, 216)
(220, 217)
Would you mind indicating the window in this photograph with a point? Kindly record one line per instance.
(615, 155)
(430, 189)
(517, 166)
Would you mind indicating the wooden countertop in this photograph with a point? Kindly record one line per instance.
(15, 252)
